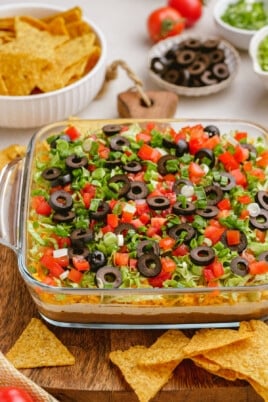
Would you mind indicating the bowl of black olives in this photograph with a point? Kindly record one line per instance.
(192, 66)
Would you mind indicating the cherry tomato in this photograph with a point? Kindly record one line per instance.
(164, 22)
(14, 394)
(191, 10)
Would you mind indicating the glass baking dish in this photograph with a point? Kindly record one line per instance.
(99, 307)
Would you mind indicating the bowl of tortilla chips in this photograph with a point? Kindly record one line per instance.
(54, 62)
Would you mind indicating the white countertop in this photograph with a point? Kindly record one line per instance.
(124, 25)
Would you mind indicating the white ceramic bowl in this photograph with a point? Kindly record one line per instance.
(253, 52)
(232, 59)
(240, 38)
(41, 109)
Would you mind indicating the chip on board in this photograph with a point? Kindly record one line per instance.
(146, 382)
(168, 348)
(37, 346)
(11, 152)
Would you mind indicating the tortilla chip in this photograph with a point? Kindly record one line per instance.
(3, 87)
(37, 346)
(58, 27)
(168, 348)
(73, 14)
(214, 368)
(146, 382)
(205, 340)
(248, 357)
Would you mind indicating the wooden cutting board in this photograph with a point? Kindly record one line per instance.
(93, 378)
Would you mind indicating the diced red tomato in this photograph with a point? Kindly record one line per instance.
(73, 133)
(258, 267)
(127, 217)
(258, 173)
(144, 137)
(112, 220)
(211, 142)
(157, 281)
(241, 154)
(63, 261)
(121, 259)
(158, 222)
(224, 204)
(168, 264)
(228, 161)
(80, 263)
(217, 268)
(75, 275)
(103, 151)
(262, 161)
(260, 235)
(52, 265)
(195, 172)
(145, 218)
(208, 274)
(180, 250)
(239, 176)
(241, 136)
(233, 237)
(167, 243)
(214, 233)
(244, 199)
(146, 152)
(41, 206)
(87, 199)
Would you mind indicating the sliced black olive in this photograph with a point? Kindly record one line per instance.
(263, 256)
(177, 186)
(230, 183)
(205, 154)
(108, 277)
(63, 217)
(158, 202)
(262, 199)
(197, 68)
(221, 71)
(111, 129)
(260, 221)
(138, 190)
(125, 183)
(210, 44)
(182, 147)
(202, 255)
(97, 260)
(204, 58)
(101, 212)
(192, 43)
(147, 246)
(217, 56)
(75, 161)
(132, 167)
(212, 130)
(214, 194)
(207, 78)
(81, 236)
(111, 163)
(169, 144)
(51, 173)
(124, 228)
(180, 209)
(118, 142)
(149, 265)
(174, 76)
(158, 65)
(209, 212)
(61, 201)
(239, 247)
(162, 163)
(78, 250)
(176, 231)
(185, 57)
(239, 266)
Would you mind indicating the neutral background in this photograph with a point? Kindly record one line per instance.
(124, 25)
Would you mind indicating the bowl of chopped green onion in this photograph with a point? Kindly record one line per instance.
(258, 51)
(238, 20)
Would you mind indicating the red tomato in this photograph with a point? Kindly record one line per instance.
(191, 10)
(73, 133)
(14, 394)
(164, 22)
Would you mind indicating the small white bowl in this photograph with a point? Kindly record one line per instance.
(42, 109)
(240, 38)
(253, 52)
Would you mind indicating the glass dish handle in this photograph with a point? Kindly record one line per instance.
(10, 203)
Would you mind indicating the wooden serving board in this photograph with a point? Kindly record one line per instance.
(94, 378)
